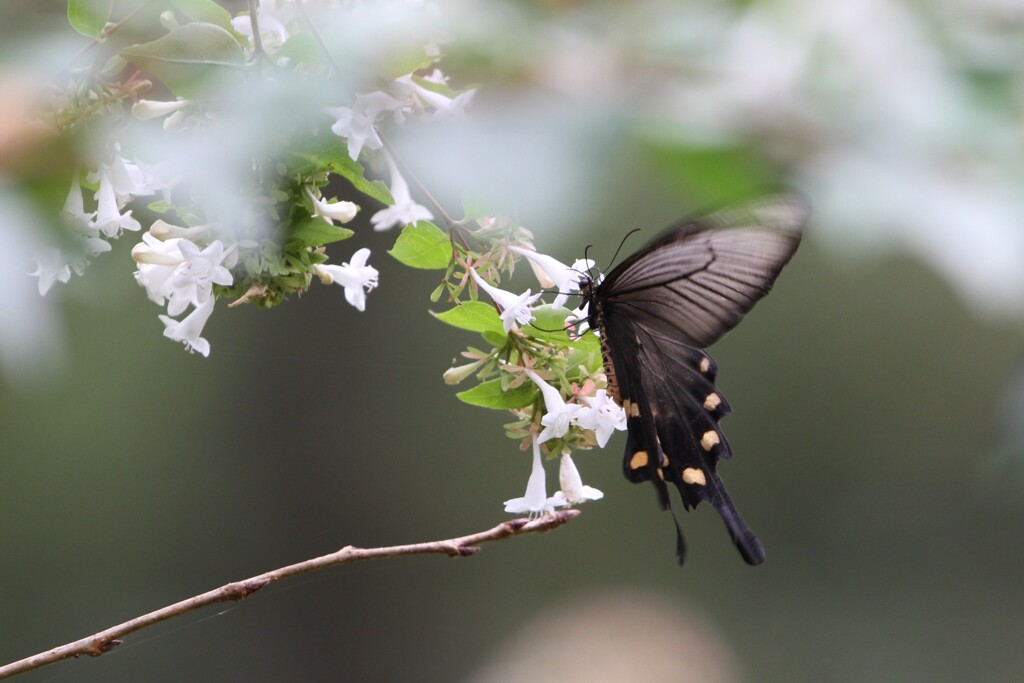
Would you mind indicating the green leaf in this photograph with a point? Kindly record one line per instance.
(89, 17)
(549, 324)
(188, 58)
(400, 62)
(205, 11)
(423, 245)
(330, 153)
(160, 206)
(491, 395)
(475, 316)
(303, 48)
(316, 232)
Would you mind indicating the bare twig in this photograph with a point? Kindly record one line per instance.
(106, 640)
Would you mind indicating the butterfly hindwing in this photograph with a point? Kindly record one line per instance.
(656, 311)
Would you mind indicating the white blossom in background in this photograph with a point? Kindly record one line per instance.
(342, 211)
(189, 330)
(358, 123)
(156, 260)
(192, 280)
(559, 415)
(601, 414)
(273, 18)
(580, 319)
(178, 270)
(163, 230)
(515, 308)
(50, 267)
(174, 110)
(442, 106)
(404, 211)
(535, 501)
(573, 490)
(130, 179)
(565, 279)
(356, 277)
(110, 220)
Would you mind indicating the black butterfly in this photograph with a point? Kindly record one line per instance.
(656, 311)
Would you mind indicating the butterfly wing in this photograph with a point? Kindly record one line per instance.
(656, 311)
(700, 277)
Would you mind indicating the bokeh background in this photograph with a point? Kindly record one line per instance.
(878, 393)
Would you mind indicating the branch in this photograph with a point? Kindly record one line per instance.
(104, 641)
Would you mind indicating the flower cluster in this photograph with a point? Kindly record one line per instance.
(117, 182)
(261, 235)
(552, 380)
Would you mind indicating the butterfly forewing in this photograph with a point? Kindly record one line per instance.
(698, 279)
(656, 311)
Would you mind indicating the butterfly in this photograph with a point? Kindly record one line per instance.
(656, 312)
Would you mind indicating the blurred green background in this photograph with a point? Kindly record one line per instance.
(876, 430)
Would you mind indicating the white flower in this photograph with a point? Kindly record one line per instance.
(342, 212)
(74, 208)
(443, 106)
(515, 309)
(177, 270)
(193, 279)
(559, 415)
(163, 230)
(129, 179)
(273, 17)
(89, 242)
(355, 276)
(601, 414)
(357, 124)
(157, 260)
(580, 317)
(574, 491)
(189, 329)
(404, 211)
(566, 279)
(109, 219)
(535, 501)
(50, 269)
(151, 109)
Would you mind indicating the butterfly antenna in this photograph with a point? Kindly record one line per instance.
(622, 244)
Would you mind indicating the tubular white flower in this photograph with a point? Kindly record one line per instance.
(535, 501)
(109, 219)
(193, 279)
(580, 317)
(342, 212)
(163, 230)
(356, 277)
(357, 124)
(515, 309)
(566, 279)
(153, 251)
(559, 415)
(151, 109)
(602, 415)
(443, 106)
(574, 491)
(74, 208)
(189, 329)
(130, 179)
(51, 268)
(404, 211)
